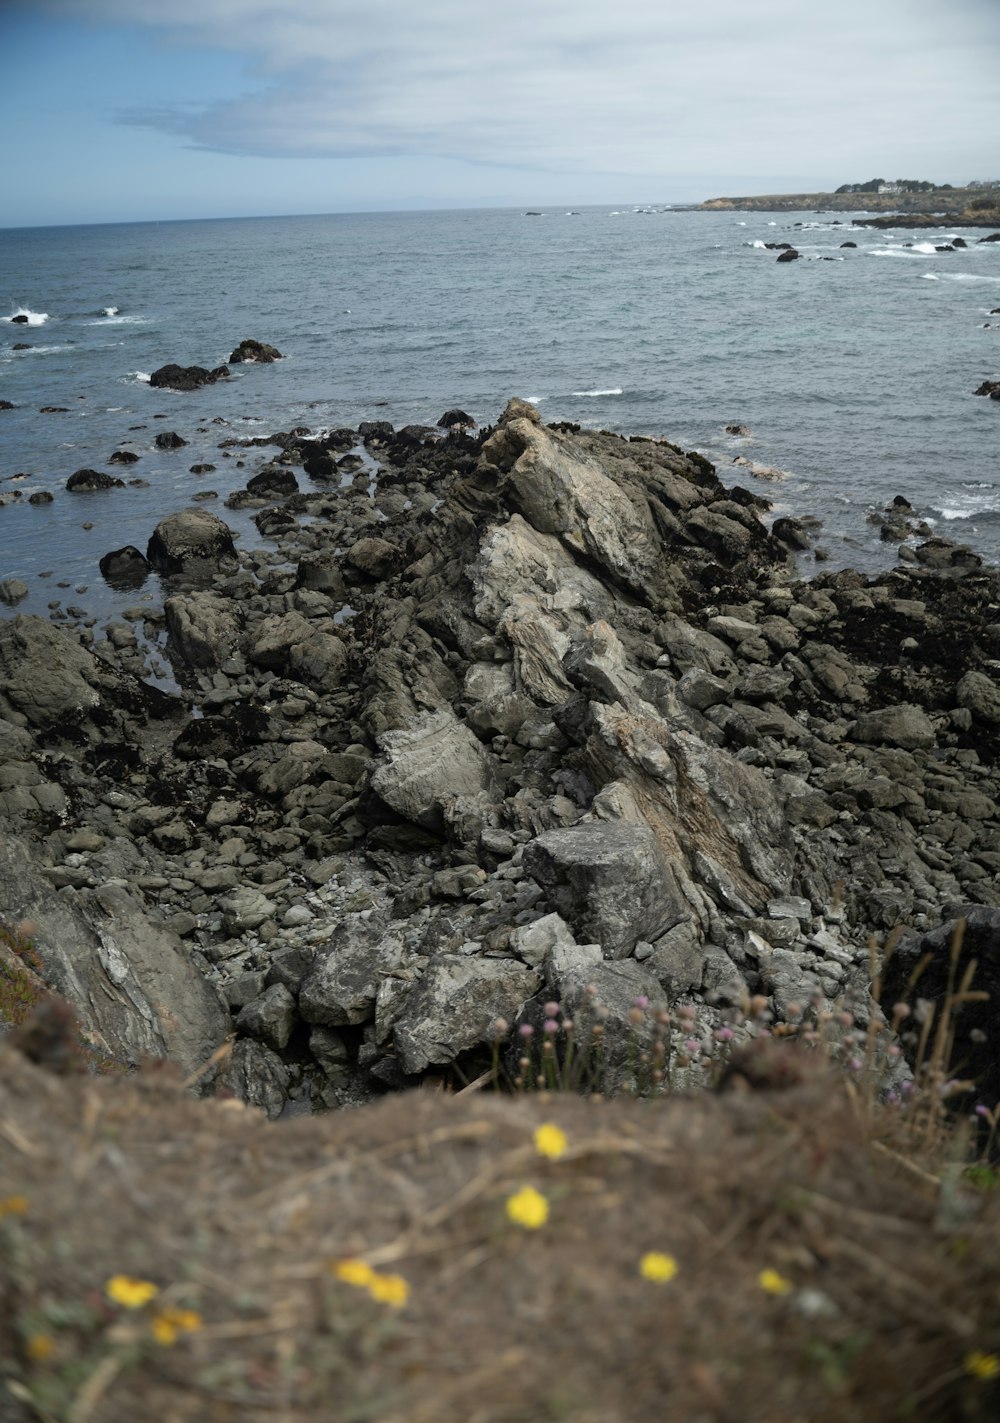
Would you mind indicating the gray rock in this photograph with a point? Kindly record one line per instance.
(257, 1075)
(270, 1018)
(131, 981)
(274, 640)
(192, 541)
(533, 943)
(246, 909)
(904, 725)
(611, 882)
(434, 759)
(455, 1005)
(342, 983)
(980, 695)
(44, 673)
(12, 590)
(203, 629)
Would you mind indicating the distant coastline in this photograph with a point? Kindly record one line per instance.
(964, 207)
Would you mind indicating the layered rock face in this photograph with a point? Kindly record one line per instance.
(537, 714)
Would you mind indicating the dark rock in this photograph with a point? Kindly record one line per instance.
(738, 430)
(975, 932)
(202, 468)
(993, 237)
(790, 256)
(375, 430)
(611, 883)
(258, 351)
(40, 496)
(7, 405)
(124, 568)
(175, 377)
(191, 541)
(990, 388)
(791, 532)
(169, 440)
(848, 244)
(19, 320)
(273, 481)
(455, 417)
(22, 345)
(85, 481)
(269, 1018)
(124, 457)
(53, 410)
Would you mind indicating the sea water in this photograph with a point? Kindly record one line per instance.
(855, 375)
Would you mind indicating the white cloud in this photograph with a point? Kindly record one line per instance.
(642, 87)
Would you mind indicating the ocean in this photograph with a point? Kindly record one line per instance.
(854, 375)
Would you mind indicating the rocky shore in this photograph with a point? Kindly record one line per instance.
(501, 717)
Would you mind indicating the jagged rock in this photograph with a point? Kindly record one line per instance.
(273, 482)
(538, 942)
(251, 350)
(192, 541)
(169, 440)
(430, 762)
(124, 457)
(454, 1006)
(257, 1076)
(275, 639)
(321, 660)
(203, 629)
(131, 981)
(372, 556)
(612, 883)
(343, 982)
(565, 493)
(245, 909)
(270, 1018)
(450, 418)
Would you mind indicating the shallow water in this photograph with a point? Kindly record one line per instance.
(855, 375)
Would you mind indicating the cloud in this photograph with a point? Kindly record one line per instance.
(642, 87)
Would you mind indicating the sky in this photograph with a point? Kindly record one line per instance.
(132, 110)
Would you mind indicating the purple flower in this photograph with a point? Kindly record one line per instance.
(551, 1010)
(724, 1035)
(550, 1026)
(641, 1002)
(526, 1030)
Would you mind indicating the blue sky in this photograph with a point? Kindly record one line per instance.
(119, 110)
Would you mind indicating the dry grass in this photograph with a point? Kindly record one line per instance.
(883, 1300)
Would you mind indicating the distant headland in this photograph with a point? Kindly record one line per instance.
(911, 202)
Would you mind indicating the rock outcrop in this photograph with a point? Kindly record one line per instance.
(537, 714)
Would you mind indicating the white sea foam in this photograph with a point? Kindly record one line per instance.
(930, 276)
(616, 391)
(35, 318)
(759, 242)
(144, 376)
(110, 310)
(928, 247)
(534, 399)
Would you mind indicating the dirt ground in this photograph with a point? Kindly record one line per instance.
(781, 1256)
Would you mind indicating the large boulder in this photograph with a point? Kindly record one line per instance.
(192, 542)
(342, 985)
(429, 763)
(610, 882)
(131, 980)
(45, 675)
(455, 1005)
(203, 629)
(175, 377)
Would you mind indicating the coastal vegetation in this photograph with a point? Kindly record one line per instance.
(975, 205)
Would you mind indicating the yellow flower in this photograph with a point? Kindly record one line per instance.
(354, 1272)
(528, 1207)
(40, 1347)
(550, 1141)
(657, 1267)
(389, 1289)
(773, 1283)
(13, 1205)
(168, 1323)
(130, 1292)
(982, 1366)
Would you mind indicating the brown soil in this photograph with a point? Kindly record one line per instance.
(893, 1267)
